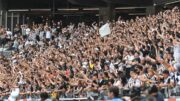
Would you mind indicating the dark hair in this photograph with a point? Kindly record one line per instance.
(137, 98)
(135, 91)
(135, 71)
(139, 67)
(115, 91)
(166, 72)
(153, 89)
(122, 76)
(106, 74)
(44, 96)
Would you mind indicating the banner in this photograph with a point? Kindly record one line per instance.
(105, 30)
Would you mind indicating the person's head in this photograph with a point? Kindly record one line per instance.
(44, 96)
(135, 92)
(165, 73)
(136, 54)
(110, 83)
(106, 75)
(133, 73)
(139, 68)
(95, 76)
(106, 67)
(153, 90)
(113, 92)
(150, 72)
(100, 76)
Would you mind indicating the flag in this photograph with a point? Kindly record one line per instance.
(105, 30)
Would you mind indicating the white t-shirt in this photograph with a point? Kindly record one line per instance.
(53, 30)
(27, 43)
(27, 31)
(129, 57)
(134, 83)
(48, 35)
(177, 53)
(34, 36)
(20, 46)
(84, 64)
(59, 44)
(16, 44)
(112, 68)
(118, 83)
(9, 33)
(41, 43)
(41, 35)
(14, 94)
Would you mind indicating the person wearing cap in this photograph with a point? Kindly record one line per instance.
(113, 94)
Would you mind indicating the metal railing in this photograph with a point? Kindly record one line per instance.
(88, 95)
(82, 96)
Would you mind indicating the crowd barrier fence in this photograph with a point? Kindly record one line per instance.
(84, 96)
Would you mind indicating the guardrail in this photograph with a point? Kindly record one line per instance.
(87, 96)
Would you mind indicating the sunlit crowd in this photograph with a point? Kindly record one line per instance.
(140, 57)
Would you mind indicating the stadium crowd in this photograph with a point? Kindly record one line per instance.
(140, 56)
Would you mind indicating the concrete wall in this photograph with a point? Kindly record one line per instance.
(150, 10)
(3, 12)
(0, 12)
(106, 13)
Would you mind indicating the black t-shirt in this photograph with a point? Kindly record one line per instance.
(144, 52)
(105, 81)
(101, 82)
(137, 59)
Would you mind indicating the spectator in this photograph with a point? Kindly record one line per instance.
(136, 55)
(114, 94)
(153, 91)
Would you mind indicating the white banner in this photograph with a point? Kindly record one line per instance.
(105, 30)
